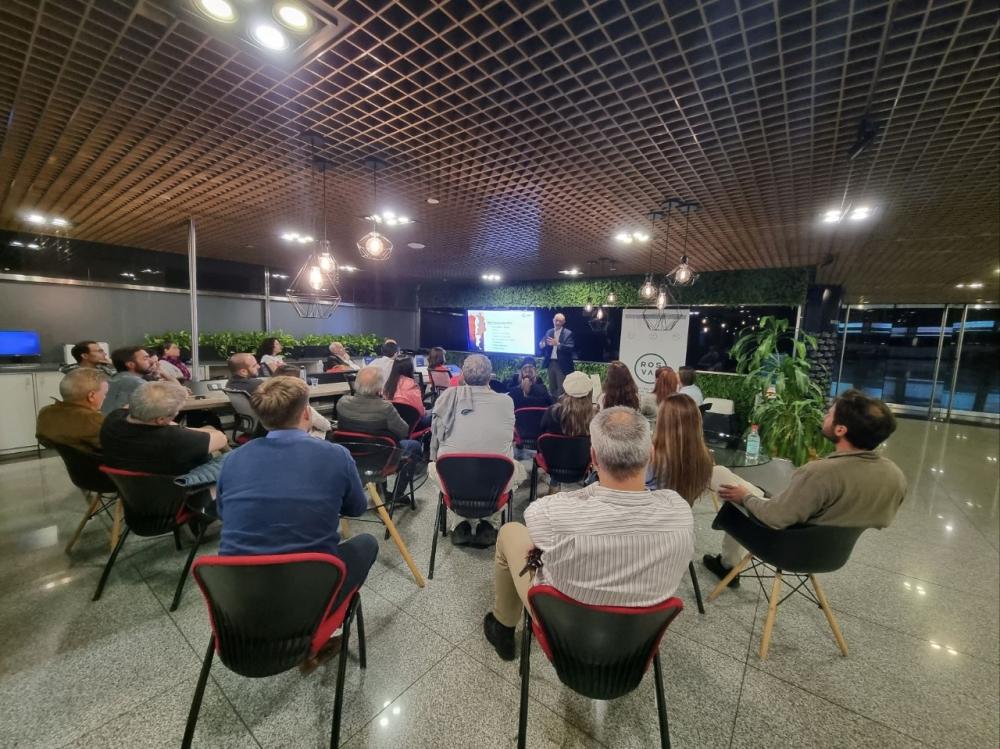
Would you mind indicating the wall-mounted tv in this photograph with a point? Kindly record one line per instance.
(20, 343)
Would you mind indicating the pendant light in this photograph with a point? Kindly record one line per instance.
(648, 288)
(327, 263)
(374, 245)
(313, 292)
(684, 274)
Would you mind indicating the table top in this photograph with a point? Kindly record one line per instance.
(736, 457)
(218, 398)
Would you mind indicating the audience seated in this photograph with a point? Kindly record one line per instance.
(89, 355)
(269, 356)
(571, 415)
(401, 387)
(384, 363)
(619, 388)
(76, 420)
(853, 487)
(339, 360)
(285, 493)
(133, 365)
(613, 543)
(665, 383)
(436, 359)
(688, 375)
(526, 389)
(472, 418)
(147, 438)
(319, 425)
(369, 413)
(243, 373)
(170, 365)
(681, 459)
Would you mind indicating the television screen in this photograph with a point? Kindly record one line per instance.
(20, 343)
(502, 331)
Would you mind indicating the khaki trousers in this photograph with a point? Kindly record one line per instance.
(511, 589)
(732, 552)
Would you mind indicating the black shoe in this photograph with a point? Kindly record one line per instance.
(461, 534)
(500, 637)
(716, 567)
(486, 535)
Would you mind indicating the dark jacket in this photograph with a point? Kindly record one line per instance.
(567, 349)
(537, 396)
(370, 414)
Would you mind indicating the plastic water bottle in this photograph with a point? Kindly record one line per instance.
(753, 442)
(302, 373)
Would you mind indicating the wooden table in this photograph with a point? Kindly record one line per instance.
(218, 399)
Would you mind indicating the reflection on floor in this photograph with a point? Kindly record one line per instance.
(918, 604)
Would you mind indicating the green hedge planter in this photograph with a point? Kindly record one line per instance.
(229, 342)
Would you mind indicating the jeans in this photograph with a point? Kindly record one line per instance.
(412, 448)
(358, 553)
(425, 420)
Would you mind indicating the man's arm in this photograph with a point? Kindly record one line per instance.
(216, 439)
(805, 496)
(568, 343)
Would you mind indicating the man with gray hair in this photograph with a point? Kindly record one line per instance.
(76, 420)
(369, 413)
(339, 360)
(613, 543)
(146, 437)
(472, 418)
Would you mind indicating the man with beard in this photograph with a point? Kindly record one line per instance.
(853, 487)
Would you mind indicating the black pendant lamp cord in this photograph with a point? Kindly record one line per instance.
(687, 225)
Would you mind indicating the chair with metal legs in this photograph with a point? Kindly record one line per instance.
(98, 489)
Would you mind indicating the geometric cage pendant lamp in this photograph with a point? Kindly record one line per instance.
(374, 245)
(684, 274)
(313, 292)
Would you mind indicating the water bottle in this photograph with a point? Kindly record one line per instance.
(753, 442)
(302, 373)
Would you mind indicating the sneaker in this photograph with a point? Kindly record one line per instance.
(461, 534)
(500, 637)
(486, 535)
(716, 567)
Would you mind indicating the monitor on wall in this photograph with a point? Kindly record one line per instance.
(20, 343)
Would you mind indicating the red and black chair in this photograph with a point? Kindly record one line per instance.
(527, 426)
(246, 425)
(474, 486)
(565, 459)
(412, 418)
(154, 506)
(440, 381)
(269, 613)
(365, 449)
(600, 652)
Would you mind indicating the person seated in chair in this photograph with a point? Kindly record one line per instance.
(146, 437)
(244, 373)
(319, 425)
(132, 364)
(402, 387)
(688, 376)
(384, 363)
(369, 413)
(853, 487)
(472, 418)
(613, 543)
(526, 389)
(285, 493)
(89, 355)
(76, 420)
(339, 360)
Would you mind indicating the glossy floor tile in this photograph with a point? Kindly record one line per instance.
(919, 605)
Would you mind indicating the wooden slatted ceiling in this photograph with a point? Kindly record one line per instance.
(543, 128)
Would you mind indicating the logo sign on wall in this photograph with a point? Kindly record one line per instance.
(653, 338)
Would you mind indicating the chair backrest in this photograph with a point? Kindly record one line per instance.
(408, 413)
(805, 549)
(474, 484)
(722, 406)
(84, 470)
(152, 503)
(601, 652)
(440, 378)
(721, 429)
(565, 459)
(528, 425)
(240, 401)
(369, 452)
(265, 610)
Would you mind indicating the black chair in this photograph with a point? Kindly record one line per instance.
(721, 429)
(473, 485)
(802, 551)
(565, 459)
(154, 506)
(498, 386)
(527, 426)
(355, 443)
(440, 381)
(98, 489)
(412, 418)
(269, 613)
(326, 378)
(600, 652)
(247, 425)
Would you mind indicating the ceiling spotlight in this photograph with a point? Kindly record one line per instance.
(975, 285)
(640, 236)
(648, 290)
(34, 246)
(433, 201)
(269, 37)
(416, 245)
(293, 17)
(60, 222)
(860, 213)
(348, 268)
(588, 307)
(623, 237)
(35, 218)
(570, 272)
(626, 237)
(217, 10)
(15, 243)
(492, 277)
(831, 217)
(960, 286)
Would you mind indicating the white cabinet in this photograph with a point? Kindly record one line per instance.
(46, 388)
(17, 404)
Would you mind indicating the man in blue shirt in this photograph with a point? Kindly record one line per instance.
(285, 493)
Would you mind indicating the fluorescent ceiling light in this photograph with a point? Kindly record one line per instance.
(831, 217)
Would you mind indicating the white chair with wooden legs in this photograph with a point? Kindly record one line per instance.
(98, 490)
(788, 557)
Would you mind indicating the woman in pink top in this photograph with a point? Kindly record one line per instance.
(401, 387)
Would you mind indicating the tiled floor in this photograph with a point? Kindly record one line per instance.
(918, 604)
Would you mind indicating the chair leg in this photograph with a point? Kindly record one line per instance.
(533, 494)
(187, 568)
(389, 499)
(177, 539)
(772, 612)
(110, 564)
(697, 588)
(116, 526)
(91, 510)
(341, 671)
(199, 693)
(825, 605)
(522, 721)
(728, 578)
(661, 703)
(438, 522)
(362, 651)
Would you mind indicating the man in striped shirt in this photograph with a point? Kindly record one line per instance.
(613, 543)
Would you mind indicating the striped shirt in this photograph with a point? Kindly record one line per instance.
(606, 547)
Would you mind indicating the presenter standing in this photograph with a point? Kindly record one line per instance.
(557, 349)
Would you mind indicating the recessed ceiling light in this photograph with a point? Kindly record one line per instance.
(34, 246)
(293, 17)
(416, 245)
(60, 222)
(975, 285)
(570, 272)
(35, 218)
(960, 286)
(217, 10)
(493, 277)
(831, 217)
(433, 201)
(269, 37)
(15, 243)
(348, 268)
(860, 213)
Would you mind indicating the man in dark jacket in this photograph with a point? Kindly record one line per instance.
(369, 413)
(557, 349)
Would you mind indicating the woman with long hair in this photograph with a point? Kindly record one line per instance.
(269, 356)
(667, 383)
(619, 387)
(681, 460)
(570, 416)
(402, 387)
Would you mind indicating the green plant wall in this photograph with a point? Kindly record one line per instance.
(761, 286)
(230, 342)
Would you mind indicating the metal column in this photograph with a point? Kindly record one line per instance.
(843, 348)
(798, 323)
(267, 299)
(958, 359)
(937, 361)
(193, 285)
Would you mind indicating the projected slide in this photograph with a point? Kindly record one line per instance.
(502, 331)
